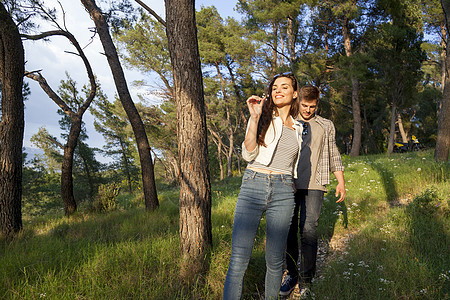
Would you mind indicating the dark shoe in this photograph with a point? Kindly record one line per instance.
(288, 285)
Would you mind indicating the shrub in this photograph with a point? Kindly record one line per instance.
(106, 197)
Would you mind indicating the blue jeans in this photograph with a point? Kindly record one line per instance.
(274, 195)
(309, 202)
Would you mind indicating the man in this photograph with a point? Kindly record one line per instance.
(319, 155)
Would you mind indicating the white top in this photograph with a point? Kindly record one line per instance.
(264, 155)
(285, 154)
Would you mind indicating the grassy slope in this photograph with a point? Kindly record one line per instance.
(397, 209)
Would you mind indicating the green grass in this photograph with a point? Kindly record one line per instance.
(397, 210)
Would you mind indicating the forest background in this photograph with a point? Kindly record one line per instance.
(380, 65)
(238, 56)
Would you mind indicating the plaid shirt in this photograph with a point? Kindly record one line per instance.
(329, 159)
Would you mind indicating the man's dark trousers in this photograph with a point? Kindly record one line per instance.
(309, 204)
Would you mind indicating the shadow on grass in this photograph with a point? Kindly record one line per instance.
(388, 180)
(429, 235)
(403, 257)
(330, 215)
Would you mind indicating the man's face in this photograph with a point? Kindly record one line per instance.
(308, 109)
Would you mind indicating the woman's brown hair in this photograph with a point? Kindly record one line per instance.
(269, 107)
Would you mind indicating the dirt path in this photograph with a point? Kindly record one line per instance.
(326, 252)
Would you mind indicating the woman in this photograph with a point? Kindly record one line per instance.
(271, 146)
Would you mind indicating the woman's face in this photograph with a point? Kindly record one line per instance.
(283, 92)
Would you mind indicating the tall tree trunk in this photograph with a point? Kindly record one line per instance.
(195, 186)
(239, 101)
(230, 126)
(443, 55)
(443, 137)
(11, 125)
(275, 48)
(230, 152)
(290, 41)
(401, 129)
(68, 198)
(219, 157)
(218, 141)
(390, 147)
(238, 162)
(70, 204)
(148, 177)
(356, 106)
(126, 165)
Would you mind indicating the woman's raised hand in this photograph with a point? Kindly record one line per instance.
(255, 104)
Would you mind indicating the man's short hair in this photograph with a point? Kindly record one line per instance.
(309, 93)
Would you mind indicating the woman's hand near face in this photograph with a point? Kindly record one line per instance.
(255, 104)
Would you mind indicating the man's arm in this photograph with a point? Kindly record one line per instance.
(340, 188)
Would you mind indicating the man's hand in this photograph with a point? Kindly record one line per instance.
(340, 189)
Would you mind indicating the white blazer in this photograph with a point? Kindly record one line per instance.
(263, 154)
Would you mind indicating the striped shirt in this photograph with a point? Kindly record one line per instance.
(285, 154)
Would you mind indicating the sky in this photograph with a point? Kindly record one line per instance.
(51, 58)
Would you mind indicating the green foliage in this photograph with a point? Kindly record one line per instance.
(105, 200)
(40, 190)
(143, 46)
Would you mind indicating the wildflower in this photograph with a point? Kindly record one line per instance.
(423, 291)
(419, 169)
(351, 264)
(385, 281)
(443, 276)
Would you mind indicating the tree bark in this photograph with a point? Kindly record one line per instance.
(67, 165)
(443, 136)
(275, 47)
(148, 177)
(390, 147)
(443, 55)
(126, 165)
(401, 129)
(218, 141)
(290, 41)
(356, 106)
(11, 125)
(195, 186)
(230, 130)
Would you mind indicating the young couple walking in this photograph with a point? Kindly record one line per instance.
(290, 152)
